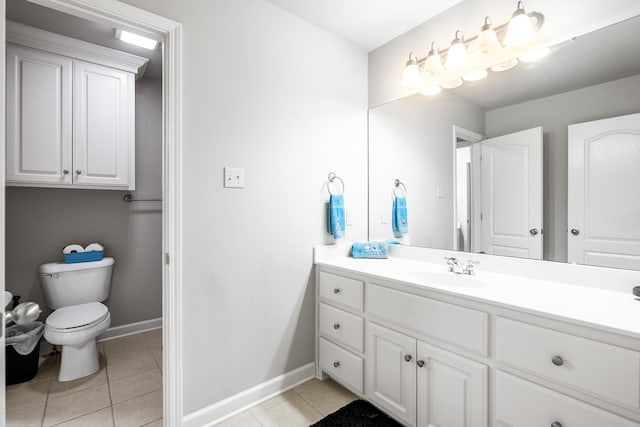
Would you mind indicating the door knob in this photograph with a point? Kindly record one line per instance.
(556, 424)
(336, 326)
(533, 231)
(420, 363)
(575, 231)
(336, 364)
(407, 358)
(66, 172)
(557, 360)
(78, 172)
(336, 290)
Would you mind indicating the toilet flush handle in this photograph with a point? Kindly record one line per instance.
(51, 275)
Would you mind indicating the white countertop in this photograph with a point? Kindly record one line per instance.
(608, 310)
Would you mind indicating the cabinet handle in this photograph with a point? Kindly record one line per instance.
(78, 172)
(336, 364)
(558, 361)
(407, 358)
(575, 231)
(65, 172)
(420, 363)
(533, 231)
(336, 326)
(556, 424)
(336, 290)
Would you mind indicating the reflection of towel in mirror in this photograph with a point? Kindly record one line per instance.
(335, 216)
(399, 215)
(370, 250)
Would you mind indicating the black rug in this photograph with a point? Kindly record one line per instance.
(358, 413)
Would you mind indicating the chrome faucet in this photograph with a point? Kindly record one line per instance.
(470, 268)
(454, 265)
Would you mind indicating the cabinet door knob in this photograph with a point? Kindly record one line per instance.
(336, 290)
(78, 172)
(336, 364)
(556, 424)
(420, 363)
(575, 231)
(336, 326)
(66, 172)
(557, 360)
(407, 358)
(533, 231)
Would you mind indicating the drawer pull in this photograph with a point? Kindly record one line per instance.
(556, 424)
(336, 290)
(336, 326)
(407, 358)
(420, 363)
(558, 361)
(336, 364)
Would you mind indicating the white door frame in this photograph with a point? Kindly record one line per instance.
(122, 15)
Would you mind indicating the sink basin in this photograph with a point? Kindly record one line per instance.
(7, 298)
(444, 279)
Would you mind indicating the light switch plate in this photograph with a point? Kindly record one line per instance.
(233, 177)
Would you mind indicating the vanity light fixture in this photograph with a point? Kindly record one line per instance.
(135, 39)
(496, 48)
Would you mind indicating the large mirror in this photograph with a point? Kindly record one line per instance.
(541, 161)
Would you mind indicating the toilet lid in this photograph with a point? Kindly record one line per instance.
(75, 316)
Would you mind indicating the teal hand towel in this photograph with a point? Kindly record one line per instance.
(399, 221)
(370, 250)
(335, 216)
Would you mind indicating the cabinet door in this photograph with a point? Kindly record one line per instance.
(452, 390)
(39, 118)
(103, 129)
(391, 372)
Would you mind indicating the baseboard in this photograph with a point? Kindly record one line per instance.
(242, 401)
(131, 328)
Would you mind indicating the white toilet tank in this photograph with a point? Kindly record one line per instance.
(78, 283)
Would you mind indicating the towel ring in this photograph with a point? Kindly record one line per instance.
(332, 177)
(399, 185)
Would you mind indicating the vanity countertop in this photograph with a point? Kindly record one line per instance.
(608, 310)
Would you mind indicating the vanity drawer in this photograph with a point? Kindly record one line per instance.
(524, 404)
(341, 290)
(342, 365)
(344, 327)
(449, 323)
(608, 371)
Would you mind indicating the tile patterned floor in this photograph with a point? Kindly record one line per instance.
(125, 392)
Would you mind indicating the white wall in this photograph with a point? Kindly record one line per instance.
(270, 93)
(40, 221)
(563, 20)
(412, 140)
(554, 114)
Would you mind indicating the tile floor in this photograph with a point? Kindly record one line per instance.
(126, 391)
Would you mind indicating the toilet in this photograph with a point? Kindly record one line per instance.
(75, 292)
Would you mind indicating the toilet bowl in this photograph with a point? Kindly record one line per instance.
(75, 328)
(75, 293)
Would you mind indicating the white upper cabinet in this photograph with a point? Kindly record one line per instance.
(70, 112)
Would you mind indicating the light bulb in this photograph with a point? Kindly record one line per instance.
(534, 56)
(430, 90)
(457, 55)
(520, 29)
(452, 84)
(411, 76)
(475, 75)
(487, 39)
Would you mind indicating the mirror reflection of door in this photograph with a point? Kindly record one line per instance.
(501, 180)
(604, 192)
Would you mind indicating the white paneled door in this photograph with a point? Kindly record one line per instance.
(511, 182)
(604, 193)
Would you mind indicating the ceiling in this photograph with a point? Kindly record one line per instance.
(366, 23)
(71, 26)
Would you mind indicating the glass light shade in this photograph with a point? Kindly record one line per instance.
(475, 75)
(411, 75)
(452, 84)
(487, 39)
(536, 55)
(430, 90)
(457, 55)
(519, 30)
(433, 63)
(504, 66)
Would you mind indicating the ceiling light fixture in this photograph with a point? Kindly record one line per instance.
(471, 59)
(136, 39)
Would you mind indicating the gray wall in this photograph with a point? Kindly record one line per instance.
(554, 114)
(40, 221)
(412, 140)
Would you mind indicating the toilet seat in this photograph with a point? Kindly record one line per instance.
(77, 317)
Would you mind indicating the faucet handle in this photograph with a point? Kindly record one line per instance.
(470, 268)
(451, 260)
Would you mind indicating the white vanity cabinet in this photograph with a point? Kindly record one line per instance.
(70, 112)
(436, 359)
